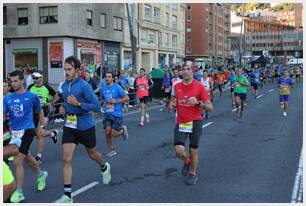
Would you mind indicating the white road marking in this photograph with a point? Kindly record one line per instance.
(83, 189)
(271, 90)
(259, 96)
(207, 124)
(298, 183)
(234, 110)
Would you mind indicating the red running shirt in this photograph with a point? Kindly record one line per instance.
(142, 84)
(187, 112)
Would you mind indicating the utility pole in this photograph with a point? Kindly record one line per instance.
(240, 47)
(133, 38)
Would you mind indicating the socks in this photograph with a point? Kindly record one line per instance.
(67, 190)
(142, 118)
(103, 168)
(147, 115)
(187, 161)
(192, 173)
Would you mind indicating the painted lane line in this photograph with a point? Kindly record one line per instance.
(259, 96)
(234, 110)
(83, 189)
(271, 90)
(207, 124)
(298, 183)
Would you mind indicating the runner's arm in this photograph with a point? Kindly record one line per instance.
(93, 102)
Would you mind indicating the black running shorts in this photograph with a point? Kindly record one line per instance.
(85, 137)
(194, 137)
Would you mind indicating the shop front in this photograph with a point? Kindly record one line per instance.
(112, 56)
(89, 51)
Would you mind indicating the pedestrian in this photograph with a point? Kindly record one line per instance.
(19, 108)
(284, 84)
(241, 83)
(113, 97)
(141, 84)
(190, 98)
(44, 92)
(79, 101)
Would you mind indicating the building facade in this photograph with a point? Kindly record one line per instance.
(207, 30)
(43, 35)
(159, 29)
(279, 45)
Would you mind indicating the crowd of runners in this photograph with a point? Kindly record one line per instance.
(188, 91)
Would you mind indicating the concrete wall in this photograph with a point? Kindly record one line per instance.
(71, 21)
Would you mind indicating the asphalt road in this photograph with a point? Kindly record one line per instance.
(250, 160)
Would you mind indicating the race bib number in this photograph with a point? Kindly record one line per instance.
(109, 107)
(256, 79)
(186, 127)
(167, 90)
(142, 87)
(16, 137)
(71, 121)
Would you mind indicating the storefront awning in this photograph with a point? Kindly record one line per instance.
(29, 50)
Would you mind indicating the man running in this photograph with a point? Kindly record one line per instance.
(142, 85)
(241, 83)
(113, 97)
(19, 107)
(79, 101)
(255, 75)
(190, 98)
(43, 91)
(207, 82)
(166, 87)
(284, 91)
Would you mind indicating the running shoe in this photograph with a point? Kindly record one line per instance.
(192, 179)
(64, 199)
(125, 134)
(17, 196)
(147, 119)
(111, 153)
(106, 175)
(54, 138)
(41, 180)
(285, 114)
(141, 123)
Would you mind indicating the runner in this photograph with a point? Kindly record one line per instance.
(231, 80)
(124, 80)
(297, 73)
(43, 91)
(207, 82)
(141, 84)
(19, 107)
(113, 97)
(220, 81)
(190, 97)
(284, 91)
(79, 101)
(166, 87)
(241, 83)
(255, 75)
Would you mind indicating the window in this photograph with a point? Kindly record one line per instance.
(189, 29)
(22, 15)
(167, 40)
(147, 11)
(173, 6)
(117, 23)
(48, 15)
(144, 35)
(188, 7)
(188, 50)
(174, 41)
(89, 17)
(167, 19)
(102, 20)
(189, 18)
(4, 16)
(207, 18)
(188, 39)
(151, 37)
(174, 21)
(156, 14)
(160, 39)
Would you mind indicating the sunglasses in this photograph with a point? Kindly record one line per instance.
(36, 78)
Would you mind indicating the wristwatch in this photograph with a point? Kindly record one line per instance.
(79, 104)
